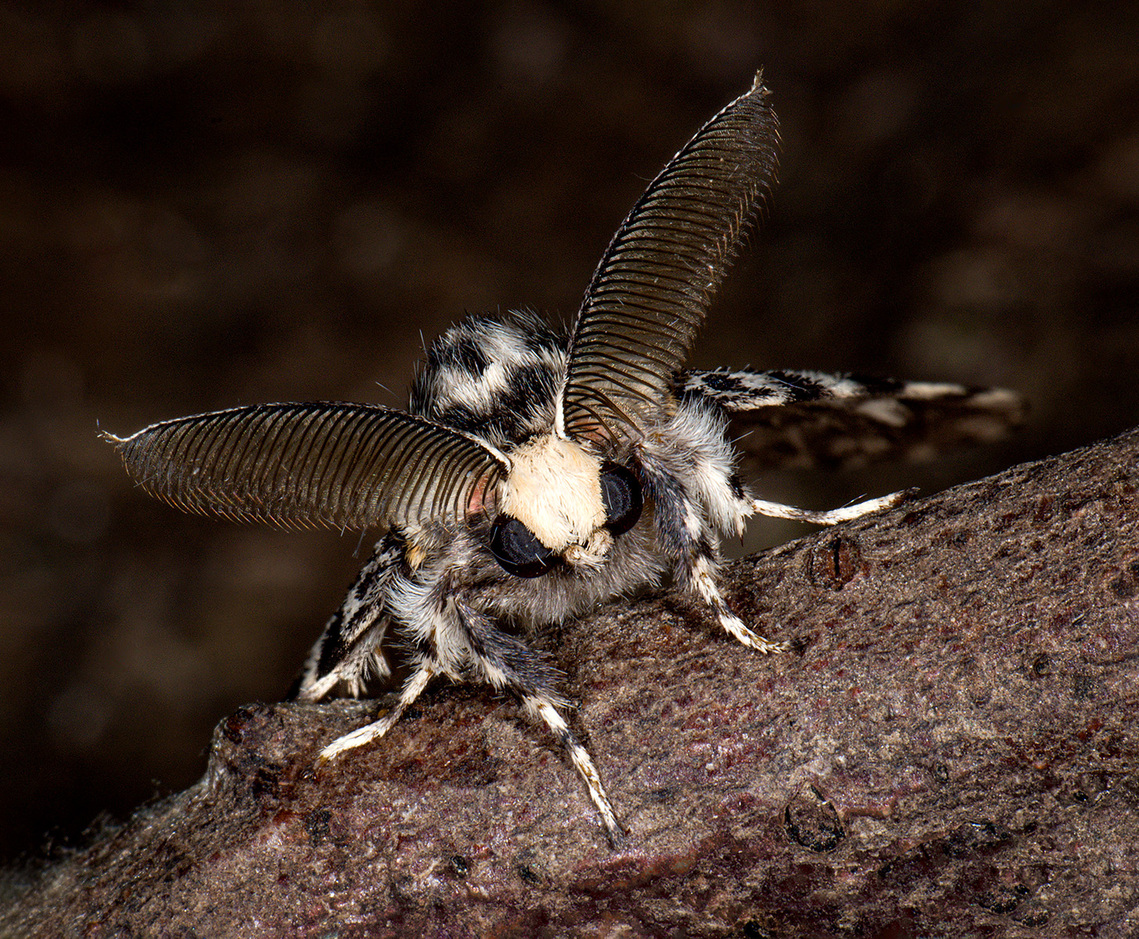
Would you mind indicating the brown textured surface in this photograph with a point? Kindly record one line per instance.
(209, 204)
(950, 751)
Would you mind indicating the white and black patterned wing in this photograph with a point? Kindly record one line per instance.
(345, 466)
(803, 418)
(652, 289)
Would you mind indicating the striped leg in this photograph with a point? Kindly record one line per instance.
(702, 567)
(348, 651)
(543, 708)
(704, 581)
(507, 662)
(412, 689)
(828, 517)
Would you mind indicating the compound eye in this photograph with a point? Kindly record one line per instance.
(622, 495)
(519, 552)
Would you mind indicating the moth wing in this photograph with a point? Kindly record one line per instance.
(651, 291)
(806, 419)
(345, 466)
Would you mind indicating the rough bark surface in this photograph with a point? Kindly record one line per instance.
(950, 750)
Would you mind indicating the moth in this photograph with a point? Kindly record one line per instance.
(535, 474)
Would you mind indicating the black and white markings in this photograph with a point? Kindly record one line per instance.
(509, 495)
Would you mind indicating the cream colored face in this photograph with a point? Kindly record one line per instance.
(554, 489)
(560, 503)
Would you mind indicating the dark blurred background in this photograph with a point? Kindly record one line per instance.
(208, 204)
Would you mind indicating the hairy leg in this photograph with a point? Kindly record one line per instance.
(422, 673)
(750, 507)
(542, 708)
(507, 662)
(348, 651)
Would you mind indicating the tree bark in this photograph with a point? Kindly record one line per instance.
(950, 749)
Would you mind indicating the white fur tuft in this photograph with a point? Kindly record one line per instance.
(554, 489)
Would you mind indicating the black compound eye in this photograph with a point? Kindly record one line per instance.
(622, 495)
(519, 552)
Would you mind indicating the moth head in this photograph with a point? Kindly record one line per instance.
(561, 503)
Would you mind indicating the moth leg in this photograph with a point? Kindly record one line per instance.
(703, 567)
(692, 543)
(360, 660)
(827, 517)
(704, 581)
(348, 650)
(507, 662)
(542, 708)
(703, 571)
(412, 689)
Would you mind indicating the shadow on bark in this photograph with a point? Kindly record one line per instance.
(950, 748)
